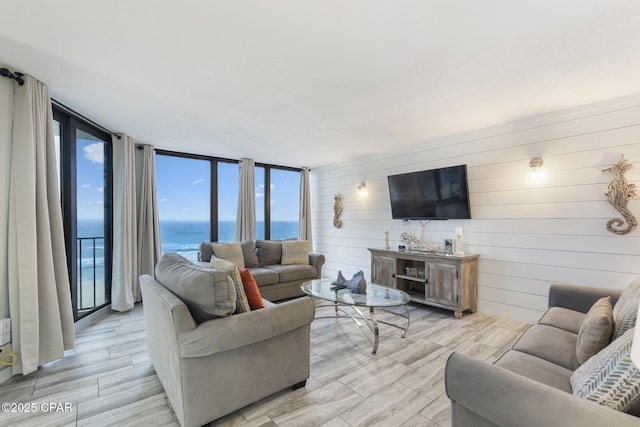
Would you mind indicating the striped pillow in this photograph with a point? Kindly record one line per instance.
(610, 378)
(242, 304)
(295, 252)
(625, 311)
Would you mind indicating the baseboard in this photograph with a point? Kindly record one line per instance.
(91, 318)
(6, 372)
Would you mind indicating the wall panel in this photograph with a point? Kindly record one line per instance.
(528, 234)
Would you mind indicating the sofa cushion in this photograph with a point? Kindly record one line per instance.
(251, 289)
(269, 252)
(549, 343)
(625, 311)
(242, 304)
(264, 276)
(231, 252)
(610, 378)
(595, 331)
(295, 252)
(297, 272)
(249, 253)
(563, 318)
(207, 293)
(537, 369)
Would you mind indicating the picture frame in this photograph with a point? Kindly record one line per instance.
(449, 246)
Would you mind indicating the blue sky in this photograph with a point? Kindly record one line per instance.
(183, 186)
(183, 191)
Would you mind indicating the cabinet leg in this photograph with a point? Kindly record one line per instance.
(458, 314)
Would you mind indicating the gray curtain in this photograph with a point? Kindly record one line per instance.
(246, 219)
(305, 205)
(149, 248)
(136, 231)
(124, 272)
(39, 292)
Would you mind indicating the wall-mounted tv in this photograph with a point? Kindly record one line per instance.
(431, 194)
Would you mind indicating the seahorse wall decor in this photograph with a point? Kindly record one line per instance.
(618, 194)
(337, 210)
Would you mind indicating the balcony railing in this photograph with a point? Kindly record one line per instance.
(91, 278)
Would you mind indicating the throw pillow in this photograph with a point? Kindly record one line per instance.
(595, 331)
(610, 378)
(231, 252)
(207, 293)
(269, 252)
(625, 311)
(251, 289)
(249, 253)
(295, 252)
(242, 304)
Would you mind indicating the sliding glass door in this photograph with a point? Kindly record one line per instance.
(85, 192)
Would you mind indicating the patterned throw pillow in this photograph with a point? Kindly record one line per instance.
(595, 331)
(610, 378)
(242, 304)
(295, 252)
(231, 252)
(632, 288)
(625, 311)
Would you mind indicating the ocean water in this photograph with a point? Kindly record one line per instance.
(184, 237)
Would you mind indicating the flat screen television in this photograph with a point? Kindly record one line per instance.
(431, 194)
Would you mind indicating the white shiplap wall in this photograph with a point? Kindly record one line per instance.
(528, 234)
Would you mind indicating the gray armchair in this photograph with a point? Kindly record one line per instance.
(216, 367)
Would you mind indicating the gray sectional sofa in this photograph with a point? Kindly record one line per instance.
(276, 281)
(532, 384)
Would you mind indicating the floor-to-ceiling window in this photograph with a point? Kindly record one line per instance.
(198, 201)
(189, 187)
(84, 154)
(277, 202)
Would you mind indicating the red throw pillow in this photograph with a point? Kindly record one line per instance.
(251, 289)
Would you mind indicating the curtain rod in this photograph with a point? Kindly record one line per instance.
(83, 118)
(15, 76)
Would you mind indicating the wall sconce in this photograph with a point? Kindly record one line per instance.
(535, 165)
(362, 189)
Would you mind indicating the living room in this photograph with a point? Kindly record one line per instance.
(571, 99)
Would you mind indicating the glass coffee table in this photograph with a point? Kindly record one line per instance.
(376, 297)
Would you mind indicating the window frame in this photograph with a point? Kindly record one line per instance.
(70, 122)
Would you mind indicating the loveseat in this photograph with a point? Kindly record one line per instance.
(543, 380)
(278, 267)
(210, 361)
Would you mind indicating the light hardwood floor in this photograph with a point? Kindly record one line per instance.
(108, 379)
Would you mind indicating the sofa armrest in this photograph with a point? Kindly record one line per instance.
(481, 392)
(317, 260)
(579, 298)
(238, 330)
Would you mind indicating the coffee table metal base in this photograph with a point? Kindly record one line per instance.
(372, 322)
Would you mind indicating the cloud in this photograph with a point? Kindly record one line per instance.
(163, 200)
(100, 189)
(259, 195)
(185, 209)
(94, 152)
(197, 181)
(85, 186)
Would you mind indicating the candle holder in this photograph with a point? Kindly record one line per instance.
(386, 240)
(459, 240)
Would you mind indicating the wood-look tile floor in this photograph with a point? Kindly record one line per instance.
(108, 379)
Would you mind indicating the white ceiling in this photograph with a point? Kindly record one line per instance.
(307, 83)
